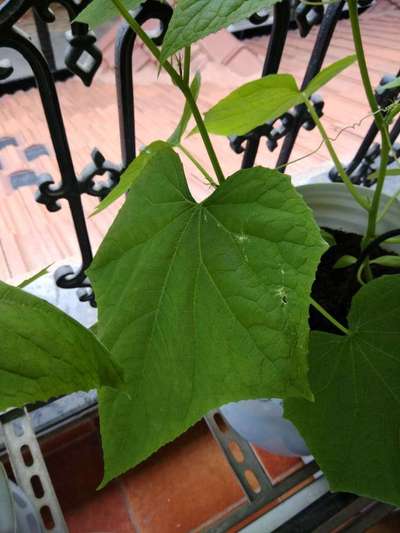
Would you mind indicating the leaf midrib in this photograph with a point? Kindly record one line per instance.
(236, 318)
(125, 252)
(161, 297)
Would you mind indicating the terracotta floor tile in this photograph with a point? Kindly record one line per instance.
(107, 512)
(277, 466)
(182, 486)
(244, 63)
(390, 524)
(76, 467)
(269, 506)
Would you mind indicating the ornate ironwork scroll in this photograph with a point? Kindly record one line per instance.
(124, 72)
(288, 126)
(81, 41)
(365, 161)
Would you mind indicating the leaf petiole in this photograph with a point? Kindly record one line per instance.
(197, 165)
(329, 317)
(379, 120)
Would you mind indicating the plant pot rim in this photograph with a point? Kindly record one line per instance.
(335, 208)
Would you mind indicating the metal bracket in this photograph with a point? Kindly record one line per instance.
(256, 484)
(30, 470)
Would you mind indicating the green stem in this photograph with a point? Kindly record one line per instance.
(329, 317)
(359, 275)
(362, 63)
(186, 65)
(179, 82)
(204, 134)
(359, 198)
(367, 269)
(139, 31)
(197, 165)
(376, 200)
(378, 117)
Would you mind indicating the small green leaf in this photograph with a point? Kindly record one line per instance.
(195, 19)
(323, 77)
(392, 261)
(45, 353)
(345, 261)
(392, 171)
(36, 276)
(201, 304)
(100, 11)
(353, 427)
(389, 172)
(176, 137)
(131, 174)
(328, 237)
(393, 240)
(253, 104)
(391, 85)
(392, 113)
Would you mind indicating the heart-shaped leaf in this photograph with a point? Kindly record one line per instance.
(45, 353)
(353, 428)
(195, 19)
(100, 11)
(132, 173)
(201, 304)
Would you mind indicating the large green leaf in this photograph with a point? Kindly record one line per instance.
(45, 353)
(201, 304)
(252, 104)
(353, 427)
(100, 11)
(329, 73)
(194, 19)
(131, 174)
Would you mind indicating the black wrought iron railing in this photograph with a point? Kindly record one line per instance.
(330, 509)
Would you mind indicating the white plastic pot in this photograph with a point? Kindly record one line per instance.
(335, 208)
(17, 514)
(261, 421)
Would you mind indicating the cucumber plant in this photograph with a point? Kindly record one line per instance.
(206, 303)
